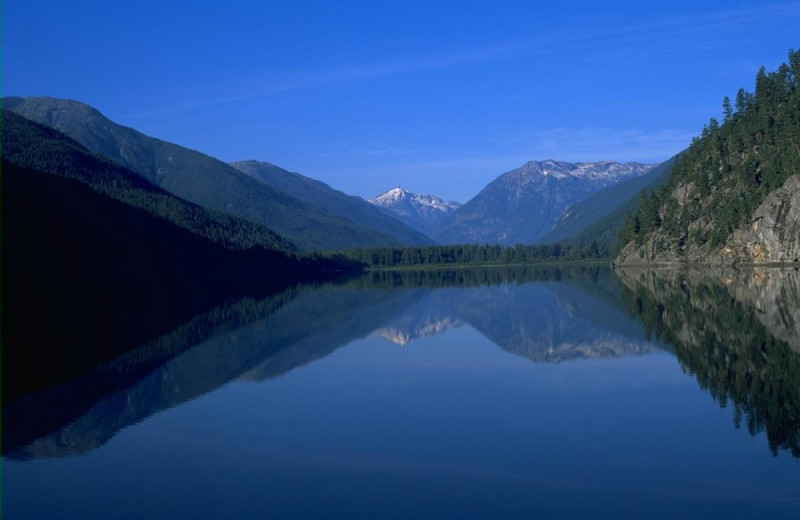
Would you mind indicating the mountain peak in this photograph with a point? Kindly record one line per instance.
(392, 195)
(421, 211)
(522, 205)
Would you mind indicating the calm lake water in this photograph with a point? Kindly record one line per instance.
(478, 394)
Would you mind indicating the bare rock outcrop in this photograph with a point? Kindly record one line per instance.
(774, 231)
(772, 236)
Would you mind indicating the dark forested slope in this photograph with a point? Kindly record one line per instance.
(734, 195)
(199, 178)
(31, 145)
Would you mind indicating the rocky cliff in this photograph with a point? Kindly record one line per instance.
(774, 231)
(770, 236)
(733, 196)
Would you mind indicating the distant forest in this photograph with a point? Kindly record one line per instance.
(474, 254)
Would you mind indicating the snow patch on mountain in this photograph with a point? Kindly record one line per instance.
(522, 205)
(421, 211)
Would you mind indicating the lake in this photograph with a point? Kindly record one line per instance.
(506, 393)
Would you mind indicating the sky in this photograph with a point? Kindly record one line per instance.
(437, 97)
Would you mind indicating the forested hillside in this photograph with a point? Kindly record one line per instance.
(715, 205)
(201, 179)
(31, 145)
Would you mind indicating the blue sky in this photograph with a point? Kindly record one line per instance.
(439, 97)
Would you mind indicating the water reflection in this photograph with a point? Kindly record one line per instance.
(257, 339)
(544, 322)
(737, 333)
(732, 331)
(248, 338)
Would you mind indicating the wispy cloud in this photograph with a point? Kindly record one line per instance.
(271, 84)
(350, 150)
(630, 38)
(726, 20)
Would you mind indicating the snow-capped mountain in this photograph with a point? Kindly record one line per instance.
(522, 205)
(418, 210)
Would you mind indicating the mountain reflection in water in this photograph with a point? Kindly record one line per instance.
(734, 332)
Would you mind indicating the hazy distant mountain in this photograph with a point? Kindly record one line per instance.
(522, 205)
(583, 214)
(334, 201)
(420, 211)
(199, 178)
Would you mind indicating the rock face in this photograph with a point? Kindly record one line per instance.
(418, 210)
(772, 236)
(522, 205)
(774, 232)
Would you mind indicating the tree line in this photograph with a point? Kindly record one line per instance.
(473, 255)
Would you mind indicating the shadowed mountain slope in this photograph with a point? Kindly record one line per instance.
(199, 178)
(334, 201)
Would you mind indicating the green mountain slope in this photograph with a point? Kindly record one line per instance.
(90, 246)
(334, 201)
(199, 178)
(30, 145)
(734, 195)
(583, 214)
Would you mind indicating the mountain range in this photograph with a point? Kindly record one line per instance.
(417, 210)
(207, 181)
(522, 205)
(352, 208)
(727, 196)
